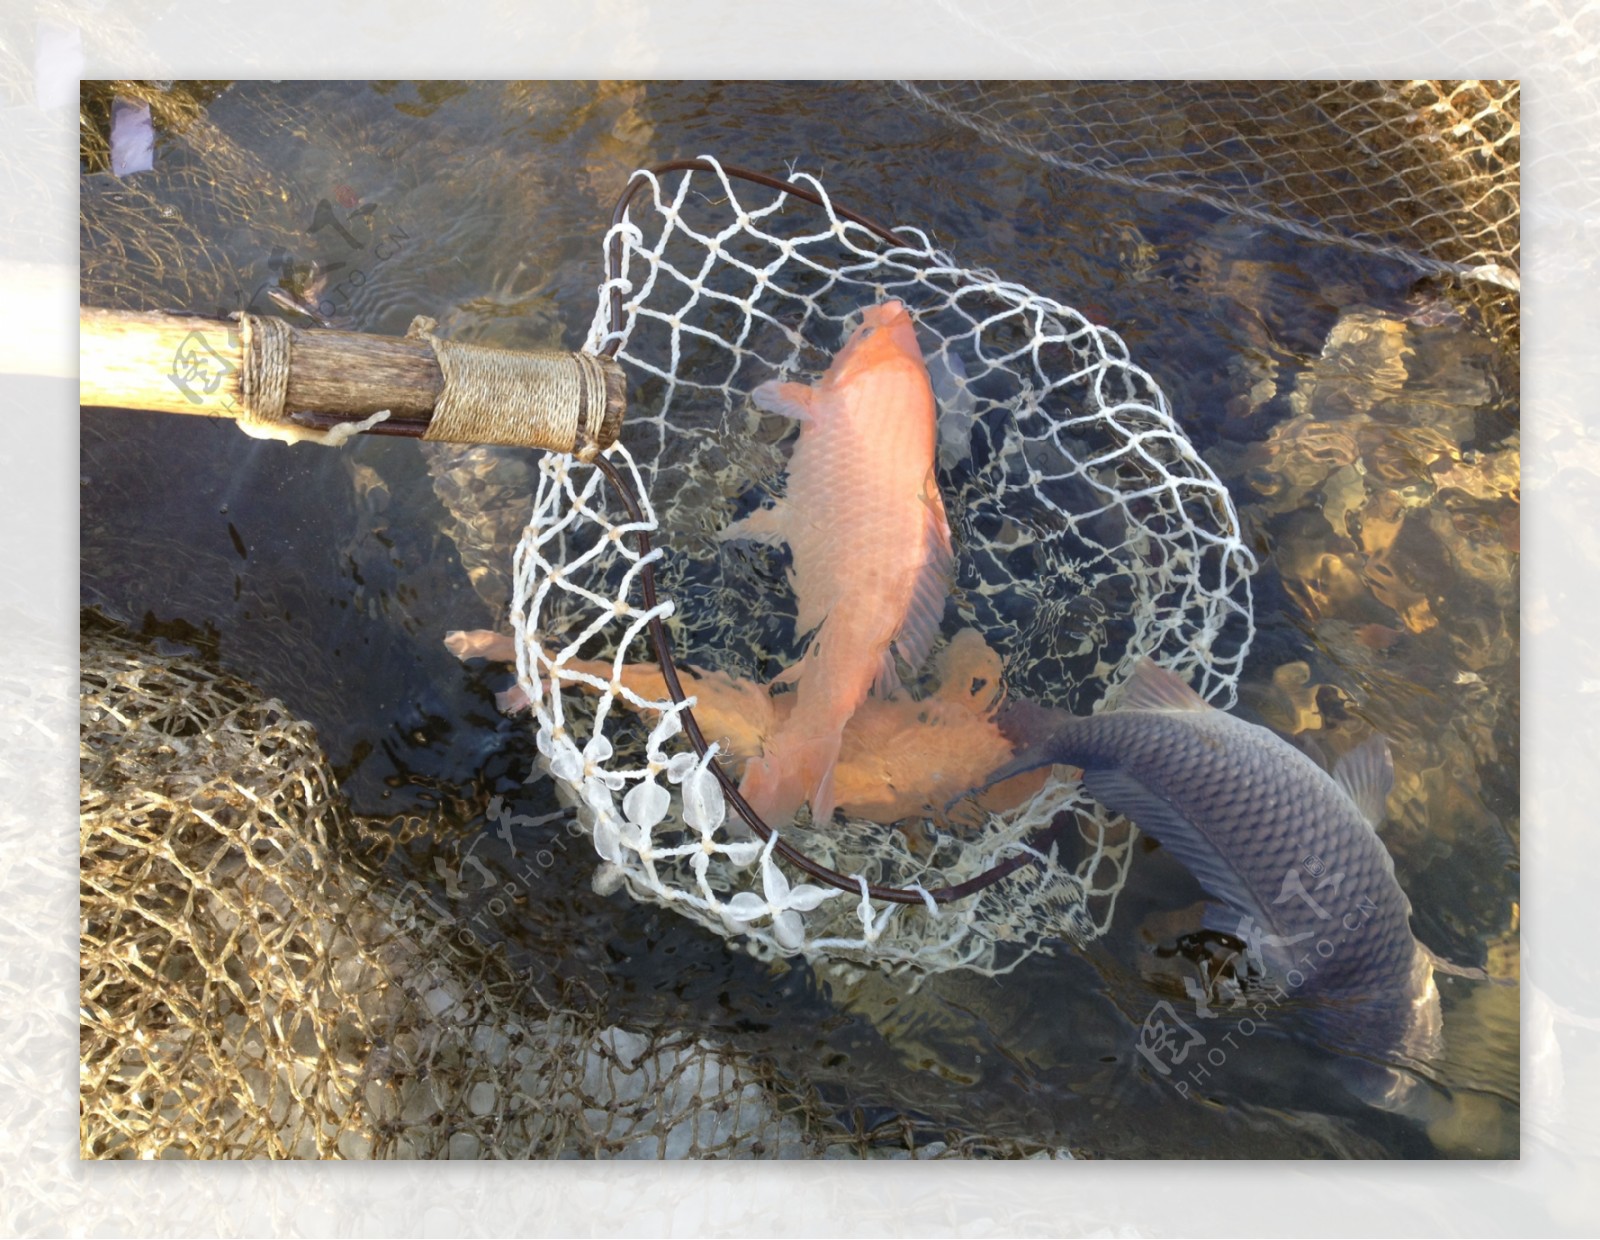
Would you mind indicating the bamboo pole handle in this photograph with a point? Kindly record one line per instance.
(189, 364)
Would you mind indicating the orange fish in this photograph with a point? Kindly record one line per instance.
(898, 758)
(870, 546)
(902, 758)
(737, 714)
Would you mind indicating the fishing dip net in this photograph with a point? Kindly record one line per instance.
(1088, 535)
(257, 982)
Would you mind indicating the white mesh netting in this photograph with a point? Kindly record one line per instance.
(1088, 533)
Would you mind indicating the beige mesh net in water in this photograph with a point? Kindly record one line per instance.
(1089, 535)
(1424, 172)
(250, 989)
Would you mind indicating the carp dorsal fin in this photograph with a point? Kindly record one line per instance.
(1153, 687)
(1366, 774)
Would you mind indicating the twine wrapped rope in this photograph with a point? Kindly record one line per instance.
(536, 398)
(264, 379)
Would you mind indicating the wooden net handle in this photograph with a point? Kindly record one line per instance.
(264, 371)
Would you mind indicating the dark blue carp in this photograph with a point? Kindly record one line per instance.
(1291, 850)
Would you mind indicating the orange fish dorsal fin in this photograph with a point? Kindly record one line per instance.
(1153, 687)
(921, 626)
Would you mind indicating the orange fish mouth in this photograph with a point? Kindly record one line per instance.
(884, 314)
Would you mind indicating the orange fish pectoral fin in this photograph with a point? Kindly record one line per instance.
(791, 675)
(767, 526)
(822, 796)
(481, 644)
(789, 400)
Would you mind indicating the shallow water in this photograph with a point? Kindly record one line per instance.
(1366, 427)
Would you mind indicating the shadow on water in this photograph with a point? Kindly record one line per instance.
(1365, 424)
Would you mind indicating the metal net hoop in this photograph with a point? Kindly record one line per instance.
(1089, 534)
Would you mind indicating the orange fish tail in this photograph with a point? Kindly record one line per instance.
(788, 776)
(773, 792)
